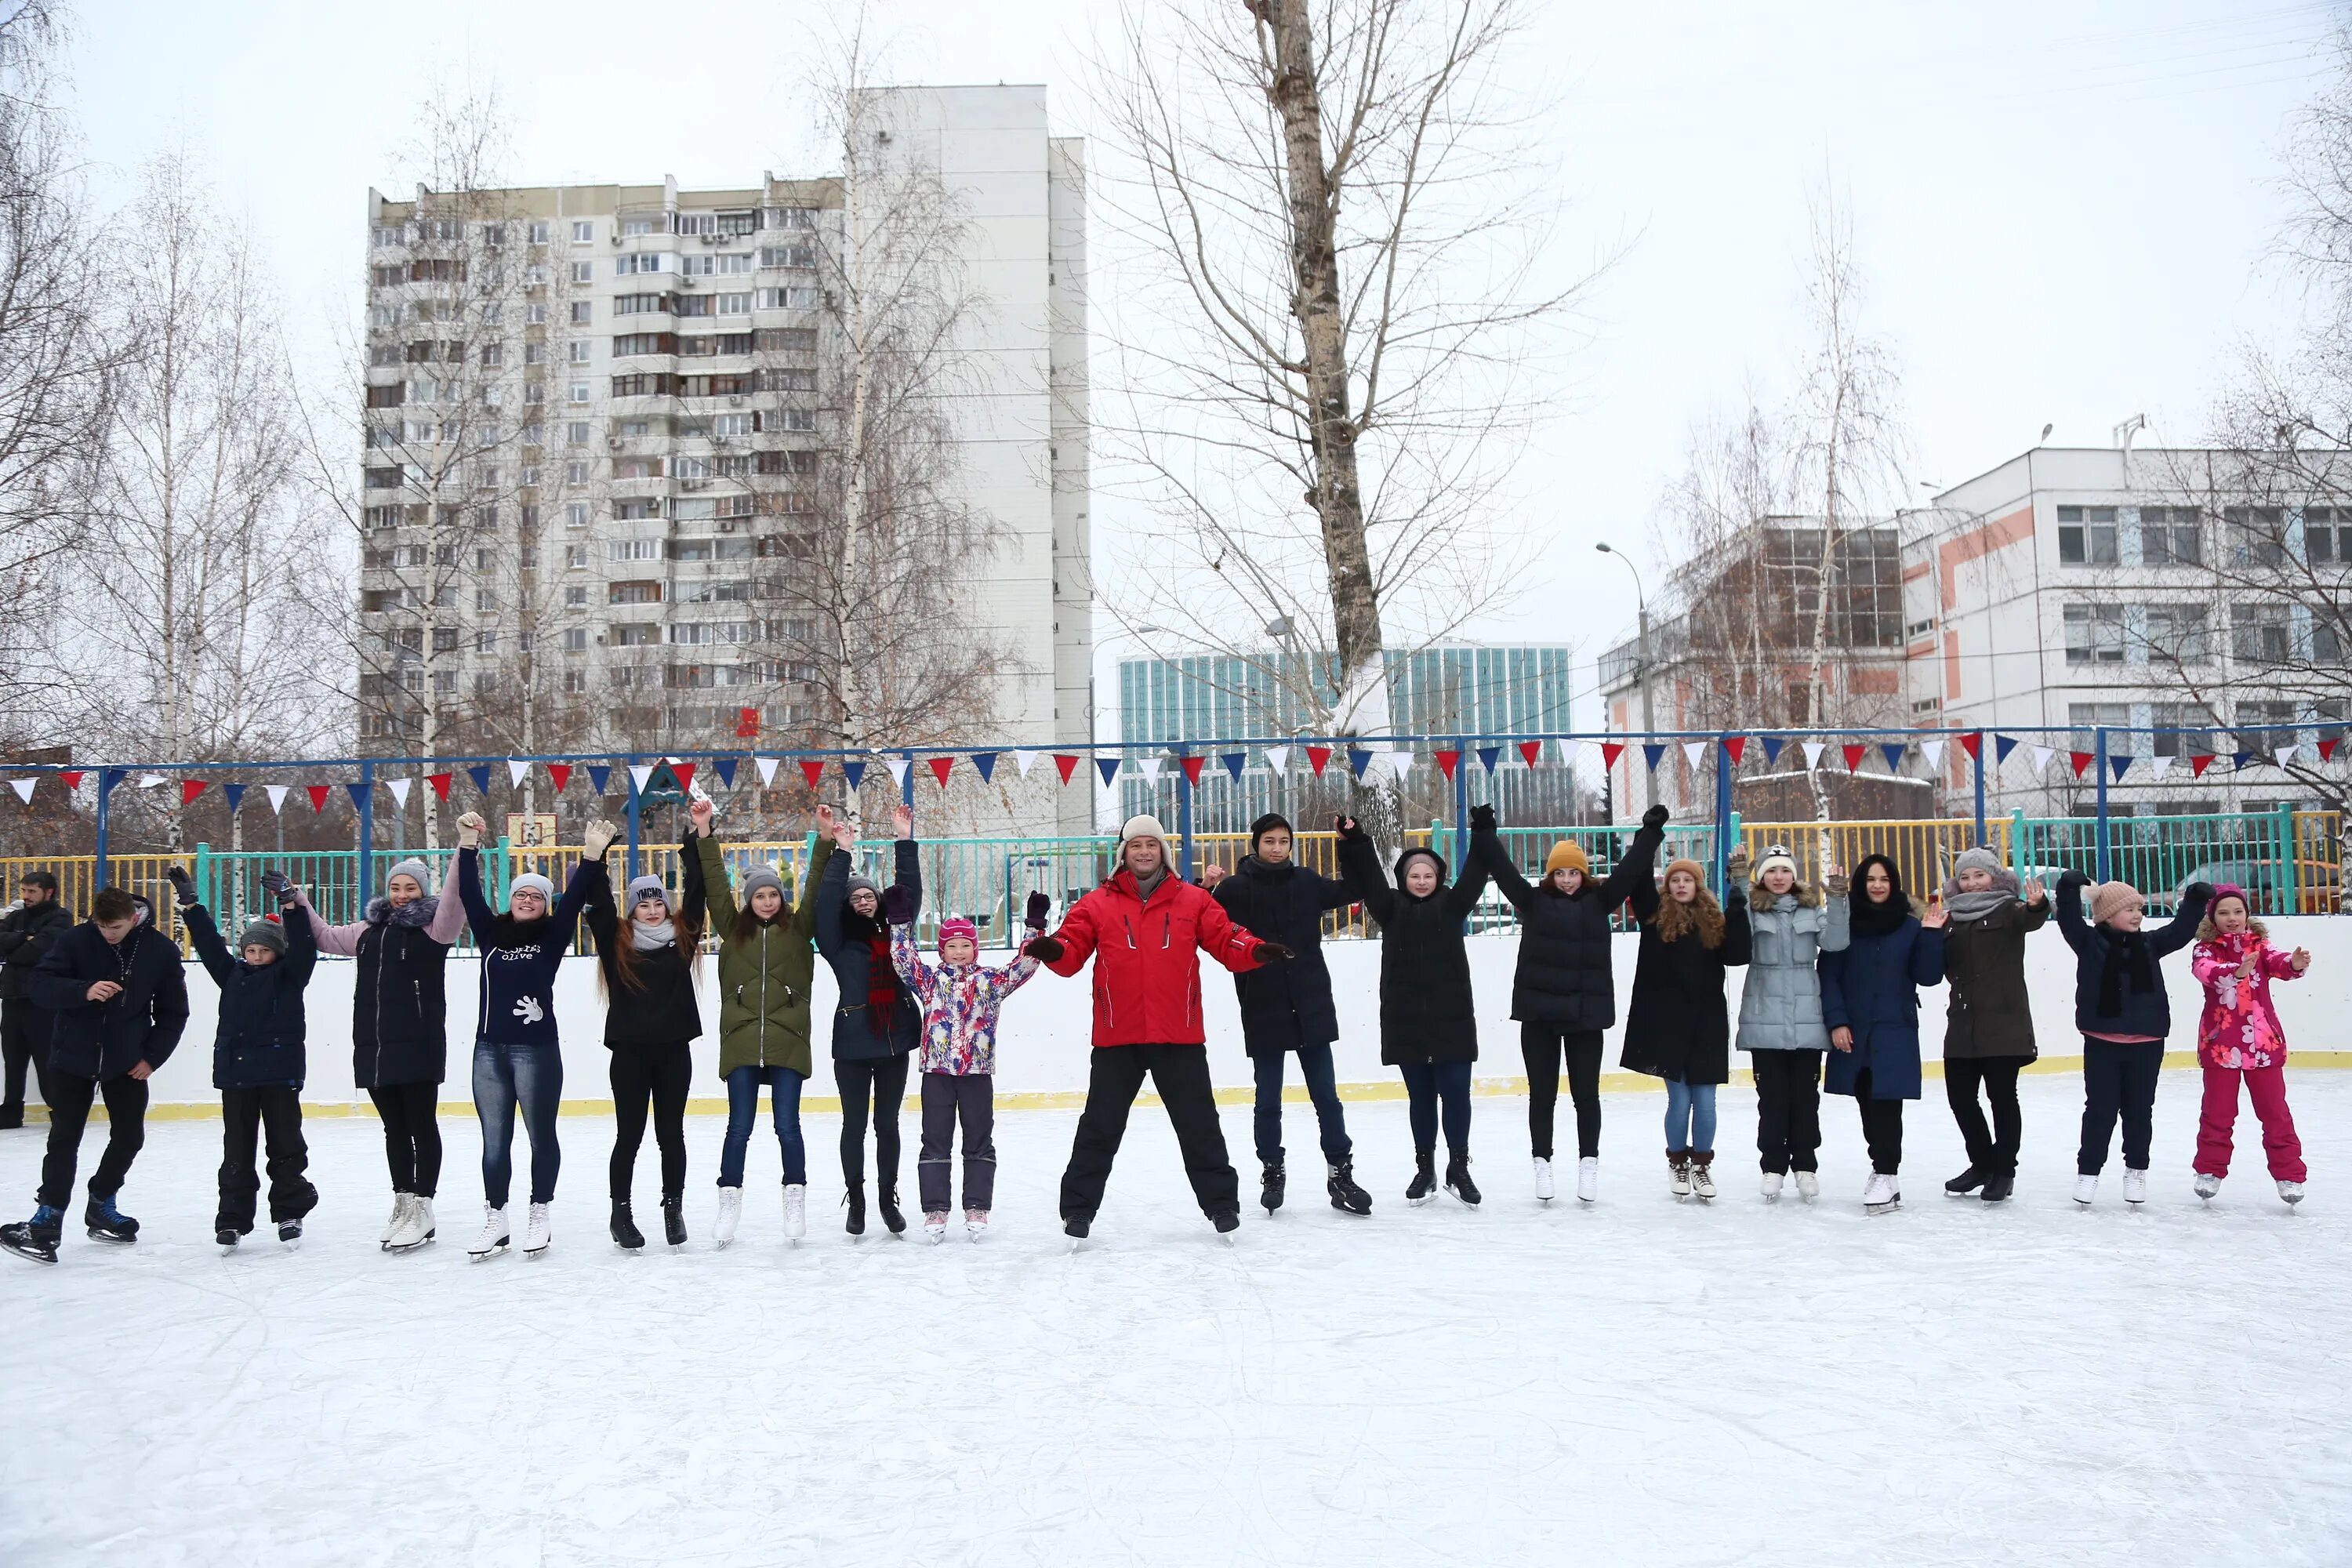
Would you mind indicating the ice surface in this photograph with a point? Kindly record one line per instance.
(1641, 1382)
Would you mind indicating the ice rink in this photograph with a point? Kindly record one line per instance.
(1641, 1382)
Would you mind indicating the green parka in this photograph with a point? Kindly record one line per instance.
(763, 983)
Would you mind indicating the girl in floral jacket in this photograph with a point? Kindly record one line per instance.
(2239, 1036)
(959, 1001)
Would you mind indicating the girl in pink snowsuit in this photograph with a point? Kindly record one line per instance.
(2239, 1036)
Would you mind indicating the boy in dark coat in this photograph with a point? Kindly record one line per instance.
(1287, 1007)
(1429, 1017)
(26, 932)
(258, 1058)
(116, 1003)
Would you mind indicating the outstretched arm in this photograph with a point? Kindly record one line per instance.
(1362, 868)
(1463, 897)
(804, 918)
(205, 937)
(1928, 956)
(478, 913)
(1066, 950)
(2071, 923)
(1639, 867)
(1222, 939)
(715, 889)
(908, 960)
(343, 942)
(832, 898)
(2182, 929)
(1490, 858)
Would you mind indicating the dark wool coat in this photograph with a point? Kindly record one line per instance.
(846, 939)
(1285, 1006)
(141, 1023)
(1563, 976)
(662, 1008)
(259, 1042)
(1872, 986)
(2140, 1006)
(1679, 1025)
(1988, 1013)
(1428, 1014)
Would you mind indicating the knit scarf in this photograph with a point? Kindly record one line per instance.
(647, 938)
(1966, 907)
(881, 985)
(2124, 948)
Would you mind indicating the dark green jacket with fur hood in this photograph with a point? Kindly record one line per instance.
(763, 983)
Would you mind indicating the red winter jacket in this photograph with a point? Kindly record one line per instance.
(1147, 978)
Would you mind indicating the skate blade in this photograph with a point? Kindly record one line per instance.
(723, 1246)
(31, 1257)
(1420, 1203)
(497, 1251)
(535, 1256)
(112, 1239)
(411, 1246)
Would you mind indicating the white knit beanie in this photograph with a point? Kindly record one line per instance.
(1775, 855)
(1144, 826)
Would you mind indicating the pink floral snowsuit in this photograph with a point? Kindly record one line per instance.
(960, 1005)
(2239, 1036)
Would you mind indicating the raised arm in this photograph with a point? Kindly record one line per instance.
(1463, 897)
(301, 938)
(1361, 868)
(804, 918)
(909, 858)
(604, 919)
(343, 942)
(1928, 956)
(908, 960)
(205, 938)
(478, 913)
(588, 879)
(2182, 929)
(832, 897)
(1643, 896)
(1739, 936)
(2071, 923)
(1837, 924)
(1490, 859)
(715, 890)
(1639, 867)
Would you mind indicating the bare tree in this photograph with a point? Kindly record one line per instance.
(1335, 208)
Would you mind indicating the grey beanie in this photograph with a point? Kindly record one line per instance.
(266, 933)
(761, 877)
(1978, 859)
(865, 884)
(647, 886)
(412, 867)
(530, 880)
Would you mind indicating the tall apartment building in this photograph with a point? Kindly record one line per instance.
(604, 435)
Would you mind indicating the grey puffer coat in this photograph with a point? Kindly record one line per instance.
(1780, 1009)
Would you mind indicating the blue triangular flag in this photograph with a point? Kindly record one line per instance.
(1653, 752)
(1773, 744)
(1110, 766)
(232, 793)
(2241, 759)
(359, 794)
(1358, 760)
(2116, 765)
(2001, 746)
(986, 763)
(1488, 756)
(481, 778)
(598, 773)
(853, 772)
(1235, 763)
(1893, 755)
(725, 767)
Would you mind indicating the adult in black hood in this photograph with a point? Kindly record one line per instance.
(1287, 1007)
(1428, 1016)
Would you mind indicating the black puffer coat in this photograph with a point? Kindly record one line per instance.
(1428, 1013)
(846, 939)
(1678, 1026)
(260, 1043)
(1285, 1006)
(142, 1022)
(1563, 976)
(400, 1018)
(662, 1008)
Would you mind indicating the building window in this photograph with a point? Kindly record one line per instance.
(486, 640)
(575, 598)
(575, 639)
(2169, 536)
(2191, 726)
(2328, 535)
(2259, 634)
(584, 231)
(583, 312)
(2086, 535)
(696, 266)
(728, 425)
(792, 256)
(2094, 634)
(576, 514)
(697, 222)
(2249, 715)
(576, 681)
(633, 549)
(2257, 535)
(640, 593)
(2088, 717)
(578, 352)
(579, 392)
(735, 261)
(534, 315)
(576, 433)
(640, 261)
(584, 272)
(2176, 635)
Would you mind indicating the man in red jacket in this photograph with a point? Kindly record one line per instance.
(1143, 928)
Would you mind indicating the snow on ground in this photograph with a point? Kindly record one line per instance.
(1639, 1383)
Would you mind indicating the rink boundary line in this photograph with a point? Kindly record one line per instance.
(1075, 1098)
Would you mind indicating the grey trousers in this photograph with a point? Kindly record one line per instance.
(947, 1098)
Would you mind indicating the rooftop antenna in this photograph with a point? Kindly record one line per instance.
(2127, 429)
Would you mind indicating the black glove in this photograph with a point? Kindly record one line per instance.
(2198, 892)
(1270, 952)
(1044, 949)
(2070, 878)
(1040, 909)
(184, 887)
(1482, 819)
(1346, 827)
(278, 886)
(1655, 816)
(899, 905)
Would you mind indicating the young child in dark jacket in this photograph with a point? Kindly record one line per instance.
(2121, 1008)
(258, 1060)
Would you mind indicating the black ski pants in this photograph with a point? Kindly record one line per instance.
(1992, 1152)
(1788, 1110)
(246, 1116)
(70, 1097)
(1542, 1046)
(1115, 1077)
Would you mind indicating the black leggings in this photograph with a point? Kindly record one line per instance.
(1991, 1151)
(660, 1073)
(883, 1081)
(412, 1136)
(1542, 1046)
(1788, 1110)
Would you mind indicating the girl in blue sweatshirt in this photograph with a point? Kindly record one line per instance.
(517, 1058)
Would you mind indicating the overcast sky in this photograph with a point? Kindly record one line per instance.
(2061, 208)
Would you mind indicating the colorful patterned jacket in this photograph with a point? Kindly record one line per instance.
(959, 1003)
(2239, 1027)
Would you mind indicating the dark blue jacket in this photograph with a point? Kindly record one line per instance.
(845, 938)
(141, 1024)
(25, 934)
(1285, 1006)
(259, 1042)
(2118, 990)
(520, 962)
(1872, 986)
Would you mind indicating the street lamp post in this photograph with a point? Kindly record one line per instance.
(1642, 651)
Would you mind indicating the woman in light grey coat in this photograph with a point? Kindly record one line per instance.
(1790, 925)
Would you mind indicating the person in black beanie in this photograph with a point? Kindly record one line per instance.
(1287, 1008)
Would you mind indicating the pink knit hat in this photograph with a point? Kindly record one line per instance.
(950, 930)
(2229, 890)
(2109, 900)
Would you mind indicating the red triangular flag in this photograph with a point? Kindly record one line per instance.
(1531, 750)
(1064, 765)
(813, 769)
(1446, 760)
(1854, 756)
(73, 779)
(684, 773)
(1610, 751)
(1317, 756)
(1733, 746)
(2327, 752)
(559, 772)
(190, 789)
(940, 766)
(1973, 744)
(2196, 765)
(440, 782)
(1192, 766)
(2081, 760)
(318, 793)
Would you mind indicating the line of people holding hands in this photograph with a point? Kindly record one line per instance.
(1833, 976)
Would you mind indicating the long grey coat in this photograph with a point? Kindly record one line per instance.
(1780, 1010)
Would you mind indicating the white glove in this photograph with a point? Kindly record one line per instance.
(470, 830)
(597, 839)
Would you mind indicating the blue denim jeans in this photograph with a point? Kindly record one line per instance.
(1314, 1068)
(505, 1077)
(1690, 1116)
(743, 1109)
(1427, 1084)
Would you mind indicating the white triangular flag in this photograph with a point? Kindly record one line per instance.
(641, 773)
(767, 766)
(1934, 751)
(1401, 762)
(898, 766)
(1278, 758)
(2042, 756)
(516, 769)
(1150, 767)
(1693, 751)
(2163, 765)
(277, 794)
(399, 788)
(2287, 753)
(23, 788)
(1567, 752)
(149, 781)
(1813, 750)
(1024, 759)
